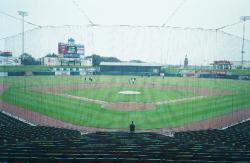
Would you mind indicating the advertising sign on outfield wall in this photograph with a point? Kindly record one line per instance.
(3, 73)
(12, 61)
(82, 73)
(49, 61)
(62, 73)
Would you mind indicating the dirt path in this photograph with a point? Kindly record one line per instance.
(130, 106)
(179, 100)
(123, 106)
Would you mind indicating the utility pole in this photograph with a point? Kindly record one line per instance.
(243, 18)
(23, 14)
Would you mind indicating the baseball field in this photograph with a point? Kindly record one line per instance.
(112, 102)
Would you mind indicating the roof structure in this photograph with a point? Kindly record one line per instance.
(129, 64)
(222, 62)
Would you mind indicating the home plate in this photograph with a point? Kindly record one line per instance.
(129, 92)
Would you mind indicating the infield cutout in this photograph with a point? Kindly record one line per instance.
(130, 92)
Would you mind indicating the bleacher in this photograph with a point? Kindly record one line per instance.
(21, 142)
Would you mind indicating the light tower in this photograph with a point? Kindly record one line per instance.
(23, 14)
(244, 19)
(186, 62)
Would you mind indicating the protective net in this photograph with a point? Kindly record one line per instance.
(150, 44)
(191, 97)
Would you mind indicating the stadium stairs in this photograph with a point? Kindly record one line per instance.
(21, 142)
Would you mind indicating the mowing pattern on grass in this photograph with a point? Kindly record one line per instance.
(169, 115)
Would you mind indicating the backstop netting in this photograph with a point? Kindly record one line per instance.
(150, 44)
(174, 97)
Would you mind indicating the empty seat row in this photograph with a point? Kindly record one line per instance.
(20, 142)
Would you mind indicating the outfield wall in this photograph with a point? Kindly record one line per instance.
(82, 73)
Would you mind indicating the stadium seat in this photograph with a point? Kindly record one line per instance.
(21, 142)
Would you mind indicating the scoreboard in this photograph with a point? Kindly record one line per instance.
(71, 50)
(62, 48)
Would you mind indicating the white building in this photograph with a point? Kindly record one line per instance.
(237, 64)
(50, 61)
(9, 61)
(87, 62)
(53, 61)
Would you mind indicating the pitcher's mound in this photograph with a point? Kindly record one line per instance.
(129, 92)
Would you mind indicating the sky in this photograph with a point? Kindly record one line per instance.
(208, 14)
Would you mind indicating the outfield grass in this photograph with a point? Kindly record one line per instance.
(88, 114)
(173, 81)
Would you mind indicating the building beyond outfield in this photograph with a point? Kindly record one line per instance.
(129, 68)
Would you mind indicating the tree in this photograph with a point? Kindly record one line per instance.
(27, 59)
(110, 59)
(96, 59)
(53, 55)
(136, 61)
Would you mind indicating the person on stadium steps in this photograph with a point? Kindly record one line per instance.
(132, 127)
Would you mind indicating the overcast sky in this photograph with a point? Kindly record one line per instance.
(192, 13)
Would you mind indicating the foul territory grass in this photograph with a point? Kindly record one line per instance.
(146, 95)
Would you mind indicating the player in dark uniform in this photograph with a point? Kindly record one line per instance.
(132, 127)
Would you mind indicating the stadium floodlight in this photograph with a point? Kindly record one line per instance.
(244, 19)
(23, 14)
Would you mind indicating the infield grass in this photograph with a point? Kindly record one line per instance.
(147, 95)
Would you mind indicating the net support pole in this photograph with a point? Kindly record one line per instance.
(242, 49)
(244, 19)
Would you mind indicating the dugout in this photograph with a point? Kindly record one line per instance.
(128, 68)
